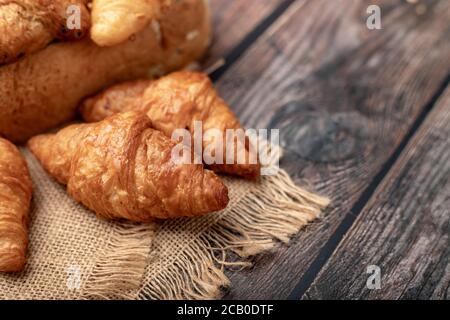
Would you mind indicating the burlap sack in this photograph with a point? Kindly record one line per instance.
(74, 255)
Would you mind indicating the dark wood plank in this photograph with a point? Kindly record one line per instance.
(343, 97)
(233, 20)
(404, 229)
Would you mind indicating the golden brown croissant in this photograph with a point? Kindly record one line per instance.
(43, 90)
(121, 97)
(173, 102)
(15, 198)
(121, 168)
(27, 26)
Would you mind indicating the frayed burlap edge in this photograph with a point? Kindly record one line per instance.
(275, 209)
(135, 265)
(119, 271)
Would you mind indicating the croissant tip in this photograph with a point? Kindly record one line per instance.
(31, 143)
(34, 143)
(13, 262)
(253, 173)
(222, 197)
(249, 172)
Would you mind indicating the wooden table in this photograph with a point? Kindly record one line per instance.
(365, 119)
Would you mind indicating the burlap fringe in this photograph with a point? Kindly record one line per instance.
(274, 210)
(118, 274)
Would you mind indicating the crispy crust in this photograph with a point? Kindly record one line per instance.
(43, 90)
(113, 100)
(15, 197)
(121, 168)
(28, 26)
(174, 102)
(114, 21)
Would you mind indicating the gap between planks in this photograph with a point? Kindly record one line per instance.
(404, 228)
(267, 281)
(331, 245)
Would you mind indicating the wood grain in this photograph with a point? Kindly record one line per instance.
(233, 20)
(404, 229)
(343, 98)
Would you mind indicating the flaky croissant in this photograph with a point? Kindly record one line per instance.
(121, 168)
(15, 198)
(44, 89)
(174, 102)
(27, 26)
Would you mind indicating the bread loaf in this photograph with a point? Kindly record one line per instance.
(43, 90)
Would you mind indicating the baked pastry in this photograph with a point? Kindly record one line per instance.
(43, 90)
(173, 102)
(15, 198)
(28, 26)
(114, 21)
(121, 168)
(121, 97)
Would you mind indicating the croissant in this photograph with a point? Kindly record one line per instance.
(114, 21)
(15, 198)
(174, 102)
(44, 89)
(30, 25)
(121, 168)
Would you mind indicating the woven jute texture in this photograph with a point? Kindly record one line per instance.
(74, 255)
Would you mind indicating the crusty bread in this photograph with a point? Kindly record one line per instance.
(27, 26)
(43, 90)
